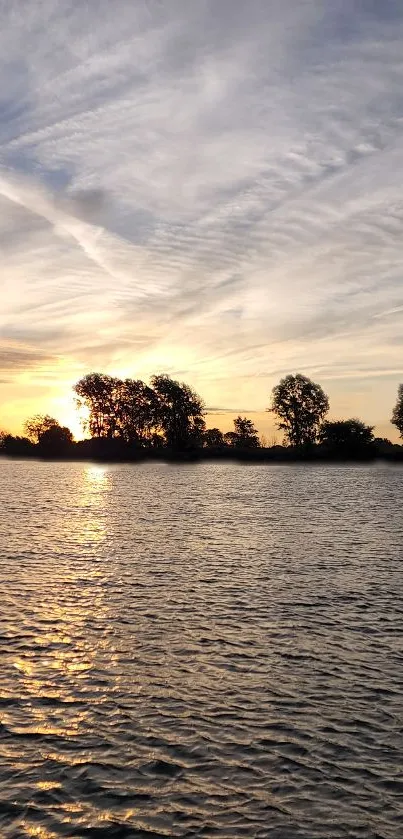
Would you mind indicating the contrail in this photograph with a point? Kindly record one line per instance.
(35, 200)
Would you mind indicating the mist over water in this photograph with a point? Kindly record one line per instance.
(209, 650)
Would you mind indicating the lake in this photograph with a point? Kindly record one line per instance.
(201, 650)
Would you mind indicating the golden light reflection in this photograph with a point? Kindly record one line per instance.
(93, 495)
(58, 672)
(23, 666)
(71, 807)
(47, 785)
(66, 654)
(37, 832)
(96, 475)
(54, 638)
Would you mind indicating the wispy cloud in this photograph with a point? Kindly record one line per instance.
(209, 187)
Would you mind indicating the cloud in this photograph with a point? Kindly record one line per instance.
(14, 359)
(208, 187)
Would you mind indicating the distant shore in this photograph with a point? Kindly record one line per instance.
(129, 421)
(103, 451)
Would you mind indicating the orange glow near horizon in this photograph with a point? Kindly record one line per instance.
(41, 394)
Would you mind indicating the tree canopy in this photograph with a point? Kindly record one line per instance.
(37, 425)
(136, 406)
(99, 394)
(397, 416)
(16, 446)
(140, 414)
(346, 436)
(55, 440)
(213, 437)
(179, 412)
(300, 406)
(246, 435)
(42, 431)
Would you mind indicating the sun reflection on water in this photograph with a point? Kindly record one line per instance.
(95, 485)
(93, 497)
(96, 474)
(55, 677)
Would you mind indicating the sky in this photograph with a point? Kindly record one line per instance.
(211, 189)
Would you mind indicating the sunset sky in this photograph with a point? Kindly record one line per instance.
(207, 188)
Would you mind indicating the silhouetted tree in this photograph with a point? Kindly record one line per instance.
(157, 440)
(37, 425)
(397, 416)
(244, 436)
(55, 441)
(99, 394)
(346, 436)
(230, 438)
(137, 412)
(17, 446)
(384, 446)
(179, 412)
(247, 435)
(213, 437)
(300, 405)
(198, 428)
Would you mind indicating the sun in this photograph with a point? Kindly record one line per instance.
(67, 413)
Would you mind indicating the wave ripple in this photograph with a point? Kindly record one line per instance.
(202, 651)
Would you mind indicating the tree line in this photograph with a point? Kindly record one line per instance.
(128, 417)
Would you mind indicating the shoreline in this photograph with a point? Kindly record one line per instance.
(264, 456)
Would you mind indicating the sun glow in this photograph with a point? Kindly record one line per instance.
(67, 413)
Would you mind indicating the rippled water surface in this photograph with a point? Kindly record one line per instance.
(201, 651)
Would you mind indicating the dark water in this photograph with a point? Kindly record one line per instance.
(201, 651)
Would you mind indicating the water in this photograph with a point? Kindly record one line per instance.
(204, 650)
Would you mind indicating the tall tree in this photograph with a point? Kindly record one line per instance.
(136, 408)
(37, 425)
(300, 406)
(397, 416)
(134, 412)
(179, 412)
(100, 395)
